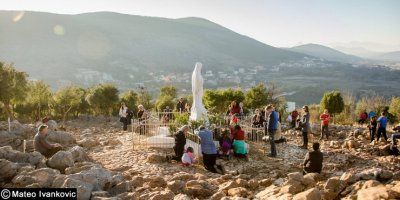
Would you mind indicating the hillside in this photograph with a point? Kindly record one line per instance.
(107, 41)
(325, 52)
(128, 50)
(389, 56)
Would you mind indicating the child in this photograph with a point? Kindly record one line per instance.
(372, 128)
(225, 144)
(188, 157)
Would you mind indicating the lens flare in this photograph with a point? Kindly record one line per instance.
(59, 30)
(18, 16)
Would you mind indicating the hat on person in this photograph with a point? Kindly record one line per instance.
(41, 127)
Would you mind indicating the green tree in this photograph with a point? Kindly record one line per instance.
(168, 91)
(67, 99)
(166, 98)
(39, 96)
(394, 107)
(103, 99)
(84, 105)
(218, 100)
(130, 98)
(257, 96)
(374, 103)
(332, 101)
(163, 102)
(145, 99)
(13, 87)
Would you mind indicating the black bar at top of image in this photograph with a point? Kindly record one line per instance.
(38, 193)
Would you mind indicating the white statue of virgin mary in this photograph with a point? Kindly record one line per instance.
(198, 111)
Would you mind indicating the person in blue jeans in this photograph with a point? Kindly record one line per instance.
(271, 127)
(382, 122)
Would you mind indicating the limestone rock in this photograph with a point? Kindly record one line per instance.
(218, 196)
(137, 181)
(239, 191)
(33, 158)
(120, 188)
(84, 189)
(80, 166)
(156, 181)
(88, 143)
(373, 193)
(333, 187)
(61, 160)
(8, 170)
(296, 176)
(162, 195)
(176, 186)
(198, 189)
(61, 137)
(370, 183)
(227, 185)
(79, 154)
(311, 194)
(182, 197)
(96, 176)
(309, 180)
(292, 187)
(183, 176)
(349, 177)
(52, 125)
(253, 184)
(265, 182)
(395, 191)
(155, 158)
(114, 142)
(44, 177)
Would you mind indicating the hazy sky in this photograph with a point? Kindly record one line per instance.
(278, 23)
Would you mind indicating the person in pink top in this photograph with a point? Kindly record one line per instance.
(325, 117)
(188, 158)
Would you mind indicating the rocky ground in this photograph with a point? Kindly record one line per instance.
(100, 161)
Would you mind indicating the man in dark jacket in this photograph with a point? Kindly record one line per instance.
(271, 127)
(180, 106)
(313, 160)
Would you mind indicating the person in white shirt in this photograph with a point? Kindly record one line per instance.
(123, 113)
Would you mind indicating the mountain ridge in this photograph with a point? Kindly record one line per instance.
(325, 52)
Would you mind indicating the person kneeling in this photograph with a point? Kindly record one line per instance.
(239, 145)
(188, 158)
(42, 145)
(313, 160)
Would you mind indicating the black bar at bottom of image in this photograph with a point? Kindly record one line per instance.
(38, 193)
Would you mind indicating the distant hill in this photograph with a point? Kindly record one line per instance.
(325, 52)
(132, 51)
(105, 41)
(390, 56)
(357, 51)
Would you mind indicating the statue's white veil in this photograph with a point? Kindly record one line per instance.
(198, 110)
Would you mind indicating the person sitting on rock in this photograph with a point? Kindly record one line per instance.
(313, 160)
(188, 158)
(42, 145)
